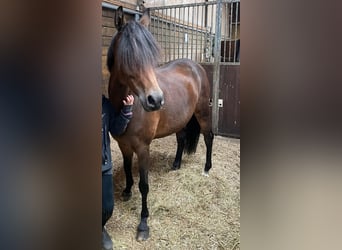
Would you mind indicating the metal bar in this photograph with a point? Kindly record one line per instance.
(175, 28)
(226, 34)
(213, 27)
(201, 45)
(114, 7)
(156, 21)
(194, 4)
(174, 34)
(192, 34)
(236, 23)
(197, 35)
(216, 71)
(167, 32)
(204, 42)
(160, 27)
(230, 31)
(170, 33)
(183, 33)
(187, 44)
(160, 31)
(178, 34)
(162, 36)
(226, 30)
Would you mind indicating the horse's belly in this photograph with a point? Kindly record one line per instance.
(172, 122)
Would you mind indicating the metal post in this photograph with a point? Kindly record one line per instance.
(216, 71)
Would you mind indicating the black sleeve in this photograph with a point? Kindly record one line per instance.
(118, 121)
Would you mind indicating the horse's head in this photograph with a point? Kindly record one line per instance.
(132, 58)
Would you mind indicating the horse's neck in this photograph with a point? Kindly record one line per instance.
(118, 92)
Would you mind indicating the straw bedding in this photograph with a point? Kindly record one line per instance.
(187, 209)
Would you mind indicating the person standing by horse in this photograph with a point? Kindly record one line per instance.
(114, 123)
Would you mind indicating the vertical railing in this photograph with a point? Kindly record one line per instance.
(216, 71)
(187, 31)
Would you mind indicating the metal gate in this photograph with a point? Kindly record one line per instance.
(208, 33)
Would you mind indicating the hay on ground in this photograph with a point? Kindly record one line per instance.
(187, 209)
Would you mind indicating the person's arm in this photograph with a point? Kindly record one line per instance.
(118, 122)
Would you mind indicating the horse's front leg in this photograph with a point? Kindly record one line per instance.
(127, 162)
(144, 162)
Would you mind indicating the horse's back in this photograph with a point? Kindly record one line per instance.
(185, 68)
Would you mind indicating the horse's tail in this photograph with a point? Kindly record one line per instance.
(192, 131)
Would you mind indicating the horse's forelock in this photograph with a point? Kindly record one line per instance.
(136, 49)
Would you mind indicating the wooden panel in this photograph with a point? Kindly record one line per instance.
(106, 42)
(107, 22)
(229, 91)
(107, 13)
(108, 31)
(229, 114)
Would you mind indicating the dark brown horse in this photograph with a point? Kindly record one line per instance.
(170, 99)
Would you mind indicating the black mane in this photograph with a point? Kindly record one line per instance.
(110, 55)
(136, 48)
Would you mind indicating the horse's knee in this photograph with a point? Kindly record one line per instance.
(208, 138)
(143, 187)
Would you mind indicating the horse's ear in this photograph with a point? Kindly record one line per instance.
(119, 19)
(146, 18)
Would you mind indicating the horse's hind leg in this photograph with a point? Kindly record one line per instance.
(180, 148)
(208, 139)
(205, 124)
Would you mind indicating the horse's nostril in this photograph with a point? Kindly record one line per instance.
(155, 101)
(151, 100)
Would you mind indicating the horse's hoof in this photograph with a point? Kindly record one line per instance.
(175, 167)
(143, 235)
(205, 173)
(126, 196)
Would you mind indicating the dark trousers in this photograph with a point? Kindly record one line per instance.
(107, 198)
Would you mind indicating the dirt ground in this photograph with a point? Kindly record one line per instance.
(187, 209)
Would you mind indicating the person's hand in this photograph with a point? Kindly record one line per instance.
(129, 100)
